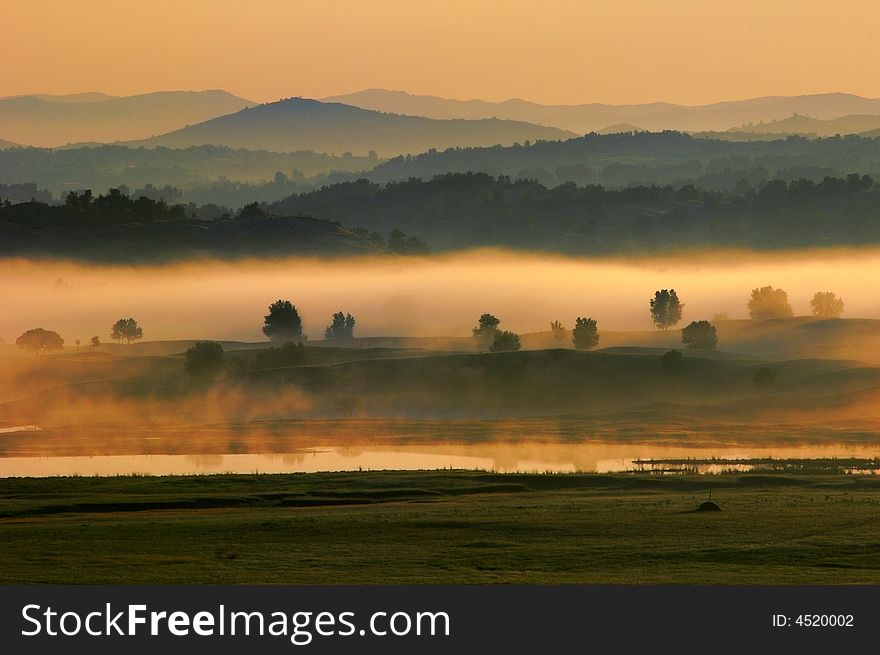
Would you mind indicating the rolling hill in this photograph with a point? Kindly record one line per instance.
(597, 116)
(302, 124)
(50, 121)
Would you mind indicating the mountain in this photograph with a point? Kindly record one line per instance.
(49, 121)
(596, 116)
(806, 125)
(74, 97)
(4, 145)
(303, 124)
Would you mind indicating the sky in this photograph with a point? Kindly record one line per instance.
(562, 51)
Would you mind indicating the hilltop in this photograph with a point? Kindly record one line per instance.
(303, 124)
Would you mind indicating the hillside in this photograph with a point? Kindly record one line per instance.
(8, 144)
(650, 158)
(48, 121)
(166, 240)
(302, 124)
(464, 210)
(100, 168)
(597, 116)
(423, 385)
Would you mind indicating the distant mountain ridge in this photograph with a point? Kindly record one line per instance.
(49, 121)
(335, 128)
(807, 125)
(594, 117)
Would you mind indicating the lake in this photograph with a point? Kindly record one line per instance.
(501, 457)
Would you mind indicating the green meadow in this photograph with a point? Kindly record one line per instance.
(441, 527)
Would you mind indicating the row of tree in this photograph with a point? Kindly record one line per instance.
(284, 324)
(765, 303)
(39, 340)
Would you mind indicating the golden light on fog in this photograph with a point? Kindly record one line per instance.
(432, 296)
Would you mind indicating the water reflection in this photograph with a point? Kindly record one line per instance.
(501, 457)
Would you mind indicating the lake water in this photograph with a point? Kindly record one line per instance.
(501, 457)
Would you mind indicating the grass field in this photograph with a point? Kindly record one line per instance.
(441, 527)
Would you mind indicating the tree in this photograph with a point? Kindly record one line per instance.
(342, 327)
(204, 360)
(826, 304)
(485, 331)
(700, 335)
(505, 342)
(671, 362)
(283, 322)
(126, 328)
(665, 308)
(558, 330)
(77, 343)
(95, 343)
(767, 303)
(584, 335)
(763, 377)
(39, 341)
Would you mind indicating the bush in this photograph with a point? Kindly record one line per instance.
(505, 342)
(671, 362)
(699, 335)
(205, 360)
(290, 354)
(764, 377)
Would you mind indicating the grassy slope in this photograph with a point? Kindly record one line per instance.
(441, 527)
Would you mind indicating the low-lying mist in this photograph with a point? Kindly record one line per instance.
(425, 296)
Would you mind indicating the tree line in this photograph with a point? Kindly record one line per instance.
(283, 325)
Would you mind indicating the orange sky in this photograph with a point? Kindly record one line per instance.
(557, 51)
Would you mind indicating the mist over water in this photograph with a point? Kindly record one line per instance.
(430, 296)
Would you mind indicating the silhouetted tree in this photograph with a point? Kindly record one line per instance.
(826, 304)
(485, 331)
(671, 362)
(127, 329)
(95, 343)
(39, 341)
(720, 316)
(342, 327)
(584, 335)
(77, 343)
(504, 342)
(763, 377)
(558, 330)
(665, 308)
(767, 303)
(700, 335)
(283, 322)
(205, 360)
